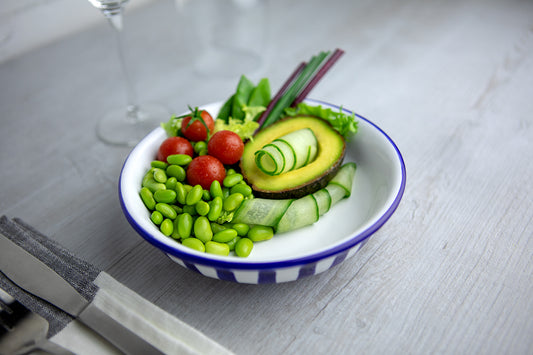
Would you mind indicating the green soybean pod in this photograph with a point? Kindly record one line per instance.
(215, 208)
(166, 210)
(241, 228)
(243, 189)
(260, 233)
(217, 248)
(202, 208)
(179, 159)
(233, 201)
(165, 196)
(156, 217)
(225, 235)
(181, 193)
(148, 198)
(160, 175)
(167, 227)
(232, 180)
(216, 190)
(158, 164)
(202, 229)
(194, 243)
(243, 247)
(231, 244)
(184, 223)
(195, 195)
(171, 183)
(177, 171)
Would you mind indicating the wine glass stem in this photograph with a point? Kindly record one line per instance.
(116, 21)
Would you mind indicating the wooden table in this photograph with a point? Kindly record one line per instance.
(450, 82)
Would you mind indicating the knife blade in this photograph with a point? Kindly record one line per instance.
(32, 275)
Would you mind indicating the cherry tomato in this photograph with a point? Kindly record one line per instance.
(174, 145)
(205, 169)
(226, 146)
(193, 126)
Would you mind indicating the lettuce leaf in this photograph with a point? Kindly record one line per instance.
(345, 124)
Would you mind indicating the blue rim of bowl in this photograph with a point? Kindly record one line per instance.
(232, 264)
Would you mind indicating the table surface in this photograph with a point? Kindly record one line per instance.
(450, 82)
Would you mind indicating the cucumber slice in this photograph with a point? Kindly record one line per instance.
(302, 212)
(261, 211)
(344, 177)
(336, 192)
(294, 150)
(323, 201)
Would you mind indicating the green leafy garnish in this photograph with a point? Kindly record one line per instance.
(173, 126)
(345, 124)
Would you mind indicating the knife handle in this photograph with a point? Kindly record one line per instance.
(117, 334)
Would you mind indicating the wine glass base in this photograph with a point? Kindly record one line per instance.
(123, 127)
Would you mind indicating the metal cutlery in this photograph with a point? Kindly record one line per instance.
(32, 275)
(23, 331)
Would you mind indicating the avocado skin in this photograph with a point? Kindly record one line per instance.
(297, 185)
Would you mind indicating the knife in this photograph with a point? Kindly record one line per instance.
(32, 275)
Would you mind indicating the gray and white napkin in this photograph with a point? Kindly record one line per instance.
(161, 329)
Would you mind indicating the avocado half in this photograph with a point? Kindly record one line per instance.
(305, 180)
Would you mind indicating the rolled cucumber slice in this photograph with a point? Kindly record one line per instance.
(289, 152)
(302, 212)
(262, 211)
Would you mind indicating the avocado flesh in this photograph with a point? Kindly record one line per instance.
(305, 180)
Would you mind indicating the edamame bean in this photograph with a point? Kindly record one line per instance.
(181, 193)
(230, 171)
(157, 217)
(215, 227)
(166, 210)
(241, 228)
(225, 235)
(200, 146)
(179, 159)
(185, 223)
(190, 210)
(233, 201)
(243, 247)
(232, 180)
(202, 229)
(194, 195)
(194, 243)
(177, 171)
(216, 190)
(206, 196)
(165, 196)
(202, 208)
(160, 175)
(153, 185)
(215, 208)
(243, 189)
(217, 248)
(260, 233)
(158, 164)
(231, 243)
(171, 183)
(148, 198)
(167, 227)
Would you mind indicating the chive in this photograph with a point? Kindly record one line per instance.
(293, 91)
(321, 72)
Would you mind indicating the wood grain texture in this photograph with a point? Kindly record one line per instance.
(452, 83)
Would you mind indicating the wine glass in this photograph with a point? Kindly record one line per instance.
(125, 126)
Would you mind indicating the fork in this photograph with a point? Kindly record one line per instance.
(23, 331)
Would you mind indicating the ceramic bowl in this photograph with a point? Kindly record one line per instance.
(377, 190)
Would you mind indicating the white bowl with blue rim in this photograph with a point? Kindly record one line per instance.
(378, 187)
